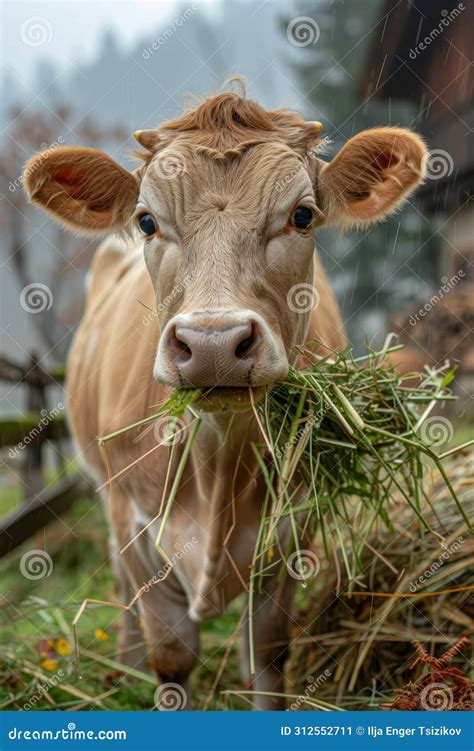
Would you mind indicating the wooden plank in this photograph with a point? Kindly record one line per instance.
(28, 431)
(14, 372)
(38, 511)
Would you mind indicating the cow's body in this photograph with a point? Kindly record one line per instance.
(223, 490)
(226, 201)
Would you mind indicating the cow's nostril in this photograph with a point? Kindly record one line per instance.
(180, 349)
(245, 347)
(242, 349)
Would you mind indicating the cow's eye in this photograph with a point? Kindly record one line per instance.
(147, 224)
(302, 217)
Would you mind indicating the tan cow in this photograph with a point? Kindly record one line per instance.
(225, 202)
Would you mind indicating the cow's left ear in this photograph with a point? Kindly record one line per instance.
(372, 174)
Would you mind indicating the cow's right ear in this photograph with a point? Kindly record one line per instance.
(82, 188)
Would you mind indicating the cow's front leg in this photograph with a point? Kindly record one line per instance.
(271, 634)
(172, 639)
(173, 643)
(131, 649)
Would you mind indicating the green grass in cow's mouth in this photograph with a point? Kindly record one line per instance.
(339, 439)
(229, 399)
(341, 427)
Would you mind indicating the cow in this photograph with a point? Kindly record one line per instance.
(207, 240)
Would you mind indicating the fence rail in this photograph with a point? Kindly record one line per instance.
(35, 513)
(26, 436)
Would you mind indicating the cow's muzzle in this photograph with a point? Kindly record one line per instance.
(219, 349)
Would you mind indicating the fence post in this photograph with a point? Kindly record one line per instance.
(35, 402)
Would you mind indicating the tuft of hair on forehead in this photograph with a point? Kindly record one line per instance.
(227, 124)
(229, 111)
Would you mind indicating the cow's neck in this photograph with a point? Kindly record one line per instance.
(225, 472)
(223, 459)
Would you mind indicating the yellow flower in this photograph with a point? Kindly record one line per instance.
(62, 646)
(50, 665)
(101, 635)
(270, 554)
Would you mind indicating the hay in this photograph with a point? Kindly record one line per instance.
(364, 640)
(343, 427)
(346, 428)
(346, 446)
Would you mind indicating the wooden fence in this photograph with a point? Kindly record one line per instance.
(26, 437)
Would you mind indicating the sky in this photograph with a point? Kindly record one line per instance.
(64, 31)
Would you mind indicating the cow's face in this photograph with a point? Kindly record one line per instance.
(225, 247)
(228, 233)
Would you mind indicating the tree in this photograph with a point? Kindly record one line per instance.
(31, 242)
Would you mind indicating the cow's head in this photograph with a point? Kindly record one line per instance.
(227, 200)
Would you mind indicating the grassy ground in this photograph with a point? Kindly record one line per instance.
(37, 641)
(38, 667)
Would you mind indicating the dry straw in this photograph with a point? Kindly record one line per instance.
(412, 585)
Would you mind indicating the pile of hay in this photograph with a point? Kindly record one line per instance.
(342, 438)
(346, 446)
(362, 642)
